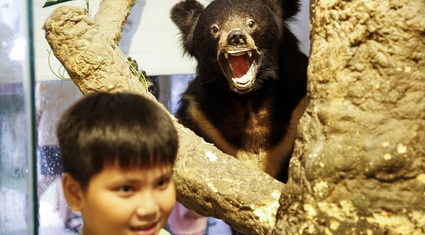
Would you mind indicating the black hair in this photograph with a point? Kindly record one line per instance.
(121, 128)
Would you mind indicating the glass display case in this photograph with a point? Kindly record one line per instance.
(17, 156)
(32, 99)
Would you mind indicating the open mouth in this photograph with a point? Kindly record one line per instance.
(240, 68)
(144, 230)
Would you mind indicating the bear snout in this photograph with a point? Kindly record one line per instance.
(236, 38)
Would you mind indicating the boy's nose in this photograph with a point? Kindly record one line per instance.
(147, 207)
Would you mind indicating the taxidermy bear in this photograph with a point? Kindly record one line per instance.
(250, 88)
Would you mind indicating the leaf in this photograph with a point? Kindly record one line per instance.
(54, 2)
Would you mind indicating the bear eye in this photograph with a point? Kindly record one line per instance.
(214, 29)
(250, 23)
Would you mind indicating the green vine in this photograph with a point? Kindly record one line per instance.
(88, 5)
(61, 71)
(49, 3)
(133, 69)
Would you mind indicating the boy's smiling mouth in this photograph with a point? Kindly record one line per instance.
(145, 229)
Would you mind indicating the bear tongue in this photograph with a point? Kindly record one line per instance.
(240, 66)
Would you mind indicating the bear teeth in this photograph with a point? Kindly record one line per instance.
(238, 54)
(226, 54)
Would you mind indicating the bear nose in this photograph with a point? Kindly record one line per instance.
(236, 37)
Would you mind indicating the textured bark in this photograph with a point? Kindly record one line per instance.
(218, 185)
(111, 16)
(359, 163)
(360, 158)
(91, 59)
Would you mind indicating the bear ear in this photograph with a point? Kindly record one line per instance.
(283, 8)
(185, 15)
(290, 8)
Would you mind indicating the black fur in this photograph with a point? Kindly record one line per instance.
(252, 118)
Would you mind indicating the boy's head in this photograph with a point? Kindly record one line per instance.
(117, 153)
(122, 128)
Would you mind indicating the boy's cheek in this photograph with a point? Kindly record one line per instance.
(168, 202)
(173, 197)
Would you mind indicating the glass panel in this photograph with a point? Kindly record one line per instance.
(54, 96)
(16, 197)
(52, 99)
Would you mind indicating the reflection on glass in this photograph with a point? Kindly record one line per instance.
(52, 99)
(15, 114)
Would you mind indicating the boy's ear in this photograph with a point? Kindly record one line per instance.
(73, 192)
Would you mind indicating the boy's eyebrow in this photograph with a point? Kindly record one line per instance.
(168, 173)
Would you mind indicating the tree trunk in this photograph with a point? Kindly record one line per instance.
(360, 157)
(359, 162)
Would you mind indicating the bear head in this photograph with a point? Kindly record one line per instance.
(237, 39)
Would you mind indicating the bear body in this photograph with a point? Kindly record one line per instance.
(250, 89)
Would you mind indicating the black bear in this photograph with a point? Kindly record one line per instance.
(250, 88)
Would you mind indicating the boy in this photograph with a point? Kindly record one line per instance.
(118, 151)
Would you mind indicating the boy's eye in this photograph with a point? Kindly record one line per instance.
(163, 183)
(126, 189)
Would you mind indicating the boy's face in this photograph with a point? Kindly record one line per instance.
(124, 202)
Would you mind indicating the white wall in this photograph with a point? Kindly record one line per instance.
(150, 37)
